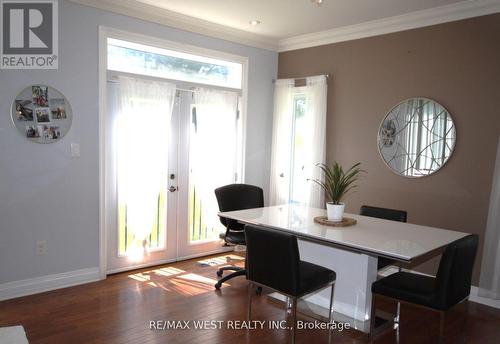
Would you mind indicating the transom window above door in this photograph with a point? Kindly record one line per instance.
(136, 58)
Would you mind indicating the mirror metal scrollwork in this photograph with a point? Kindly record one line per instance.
(417, 137)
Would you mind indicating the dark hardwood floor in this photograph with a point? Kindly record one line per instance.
(120, 309)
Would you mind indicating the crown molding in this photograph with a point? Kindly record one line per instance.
(437, 15)
(413, 20)
(162, 16)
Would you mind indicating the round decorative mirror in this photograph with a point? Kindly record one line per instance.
(417, 137)
(41, 114)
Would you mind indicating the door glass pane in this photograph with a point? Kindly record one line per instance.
(142, 136)
(213, 159)
(298, 184)
(138, 58)
(129, 243)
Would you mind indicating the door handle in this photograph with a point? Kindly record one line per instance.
(173, 188)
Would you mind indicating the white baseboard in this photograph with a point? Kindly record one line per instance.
(42, 284)
(474, 296)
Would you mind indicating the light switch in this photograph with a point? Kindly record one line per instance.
(41, 247)
(75, 149)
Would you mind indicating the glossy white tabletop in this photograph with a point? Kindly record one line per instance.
(398, 240)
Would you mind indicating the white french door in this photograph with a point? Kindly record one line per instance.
(211, 154)
(169, 140)
(177, 219)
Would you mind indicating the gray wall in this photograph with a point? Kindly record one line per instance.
(47, 195)
(456, 64)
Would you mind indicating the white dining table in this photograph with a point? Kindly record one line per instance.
(352, 252)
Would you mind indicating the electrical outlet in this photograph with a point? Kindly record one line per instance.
(41, 247)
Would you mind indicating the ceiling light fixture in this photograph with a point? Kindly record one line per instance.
(255, 22)
(317, 2)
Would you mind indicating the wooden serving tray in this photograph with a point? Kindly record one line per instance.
(346, 221)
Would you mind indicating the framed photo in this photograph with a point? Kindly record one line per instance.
(41, 95)
(49, 132)
(32, 132)
(24, 110)
(58, 108)
(42, 115)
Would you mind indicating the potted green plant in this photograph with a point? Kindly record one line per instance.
(337, 184)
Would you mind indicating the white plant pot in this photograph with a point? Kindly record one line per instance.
(335, 212)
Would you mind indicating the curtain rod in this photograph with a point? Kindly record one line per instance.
(112, 77)
(305, 77)
(111, 81)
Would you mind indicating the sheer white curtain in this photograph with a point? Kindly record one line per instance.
(489, 283)
(314, 136)
(316, 91)
(213, 149)
(281, 154)
(142, 134)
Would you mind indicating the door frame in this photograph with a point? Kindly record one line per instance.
(107, 32)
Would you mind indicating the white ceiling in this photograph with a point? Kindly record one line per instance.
(288, 18)
(295, 24)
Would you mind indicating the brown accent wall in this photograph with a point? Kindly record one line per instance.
(456, 64)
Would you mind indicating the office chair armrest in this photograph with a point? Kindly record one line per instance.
(231, 224)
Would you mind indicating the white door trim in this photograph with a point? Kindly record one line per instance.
(103, 62)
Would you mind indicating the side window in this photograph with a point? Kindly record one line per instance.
(298, 185)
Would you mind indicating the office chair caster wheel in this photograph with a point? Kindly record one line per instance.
(219, 273)
(217, 286)
(258, 291)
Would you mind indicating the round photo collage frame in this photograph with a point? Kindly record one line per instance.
(42, 114)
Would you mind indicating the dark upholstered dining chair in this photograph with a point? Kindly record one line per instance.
(386, 214)
(273, 261)
(236, 197)
(450, 287)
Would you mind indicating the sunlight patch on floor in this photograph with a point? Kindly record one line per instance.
(141, 277)
(179, 281)
(168, 271)
(164, 272)
(194, 284)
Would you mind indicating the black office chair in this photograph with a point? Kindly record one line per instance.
(450, 287)
(273, 261)
(386, 214)
(236, 197)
